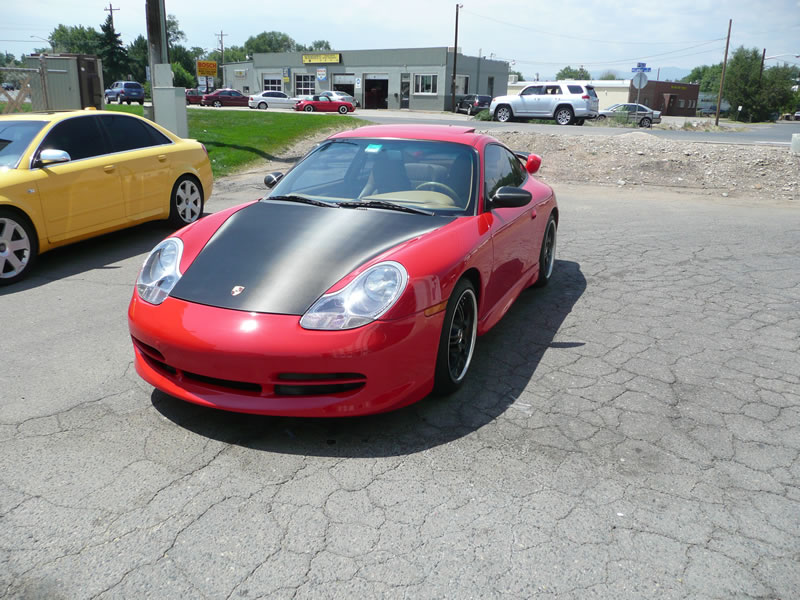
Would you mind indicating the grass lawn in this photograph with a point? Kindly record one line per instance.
(236, 138)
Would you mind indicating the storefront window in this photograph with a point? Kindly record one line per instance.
(426, 84)
(304, 85)
(273, 85)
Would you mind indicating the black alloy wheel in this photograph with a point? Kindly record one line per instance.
(457, 340)
(547, 255)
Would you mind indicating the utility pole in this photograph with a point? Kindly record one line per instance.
(480, 58)
(455, 57)
(761, 72)
(722, 79)
(110, 10)
(222, 53)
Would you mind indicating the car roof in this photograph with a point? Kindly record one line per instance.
(443, 133)
(48, 115)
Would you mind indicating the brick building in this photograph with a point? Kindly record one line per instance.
(670, 97)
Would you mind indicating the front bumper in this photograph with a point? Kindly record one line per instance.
(268, 364)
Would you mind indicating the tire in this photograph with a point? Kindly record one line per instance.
(469, 111)
(128, 101)
(645, 122)
(564, 115)
(141, 102)
(217, 104)
(18, 246)
(503, 113)
(601, 117)
(457, 340)
(579, 121)
(186, 201)
(108, 100)
(119, 99)
(342, 110)
(262, 106)
(547, 255)
(309, 108)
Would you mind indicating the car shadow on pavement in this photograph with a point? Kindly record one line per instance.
(97, 253)
(505, 361)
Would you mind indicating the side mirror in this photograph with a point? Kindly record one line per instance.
(272, 179)
(510, 197)
(533, 163)
(52, 157)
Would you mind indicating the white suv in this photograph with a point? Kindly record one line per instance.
(568, 102)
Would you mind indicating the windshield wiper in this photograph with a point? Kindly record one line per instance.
(385, 204)
(301, 199)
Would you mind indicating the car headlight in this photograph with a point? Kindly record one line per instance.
(160, 272)
(364, 299)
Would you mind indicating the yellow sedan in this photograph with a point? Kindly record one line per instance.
(68, 176)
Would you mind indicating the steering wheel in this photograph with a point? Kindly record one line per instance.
(435, 186)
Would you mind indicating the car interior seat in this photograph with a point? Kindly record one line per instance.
(388, 175)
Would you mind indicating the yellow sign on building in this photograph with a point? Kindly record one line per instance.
(206, 68)
(334, 57)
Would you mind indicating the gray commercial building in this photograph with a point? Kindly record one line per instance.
(415, 78)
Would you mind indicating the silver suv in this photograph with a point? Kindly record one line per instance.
(568, 102)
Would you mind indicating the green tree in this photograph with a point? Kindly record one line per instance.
(77, 39)
(759, 94)
(315, 46)
(270, 41)
(138, 58)
(518, 74)
(608, 76)
(115, 58)
(570, 73)
(174, 33)
(181, 77)
(182, 56)
(708, 76)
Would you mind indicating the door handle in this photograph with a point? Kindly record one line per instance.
(533, 213)
(162, 157)
(109, 168)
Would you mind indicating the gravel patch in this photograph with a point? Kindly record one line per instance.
(638, 158)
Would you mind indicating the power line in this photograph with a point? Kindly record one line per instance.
(624, 60)
(573, 37)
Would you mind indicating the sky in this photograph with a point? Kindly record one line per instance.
(533, 36)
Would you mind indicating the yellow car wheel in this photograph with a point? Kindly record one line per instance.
(18, 246)
(186, 202)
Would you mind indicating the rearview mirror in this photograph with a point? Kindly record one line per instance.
(272, 179)
(509, 197)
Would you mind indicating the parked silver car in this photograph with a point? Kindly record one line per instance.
(568, 102)
(341, 97)
(631, 113)
(272, 99)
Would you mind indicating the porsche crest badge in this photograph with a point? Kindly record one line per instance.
(237, 289)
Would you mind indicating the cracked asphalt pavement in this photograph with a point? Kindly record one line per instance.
(630, 431)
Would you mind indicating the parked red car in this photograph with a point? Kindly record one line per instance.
(324, 104)
(358, 285)
(193, 96)
(224, 97)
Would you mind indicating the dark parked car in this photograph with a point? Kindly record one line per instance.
(125, 91)
(193, 96)
(224, 97)
(473, 103)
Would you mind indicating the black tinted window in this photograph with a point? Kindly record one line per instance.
(501, 168)
(133, 86)
(80, 137)
(575, 89)
(128, 133)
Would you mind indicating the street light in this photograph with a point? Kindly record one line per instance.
(765, 57)
(49, 43)
(779, 55)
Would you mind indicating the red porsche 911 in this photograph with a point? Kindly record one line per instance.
(358, 285)
(324, 104)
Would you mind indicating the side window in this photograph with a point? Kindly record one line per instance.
(533, 90)
(127, 133)
(500, 168)
(80, 137)
(575, 89)
(553, 89)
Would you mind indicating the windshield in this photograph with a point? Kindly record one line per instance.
(15, 136)
(439, 177)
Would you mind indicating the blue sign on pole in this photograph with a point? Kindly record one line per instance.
(641, 64)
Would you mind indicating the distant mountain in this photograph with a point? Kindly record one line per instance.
(666, 74)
